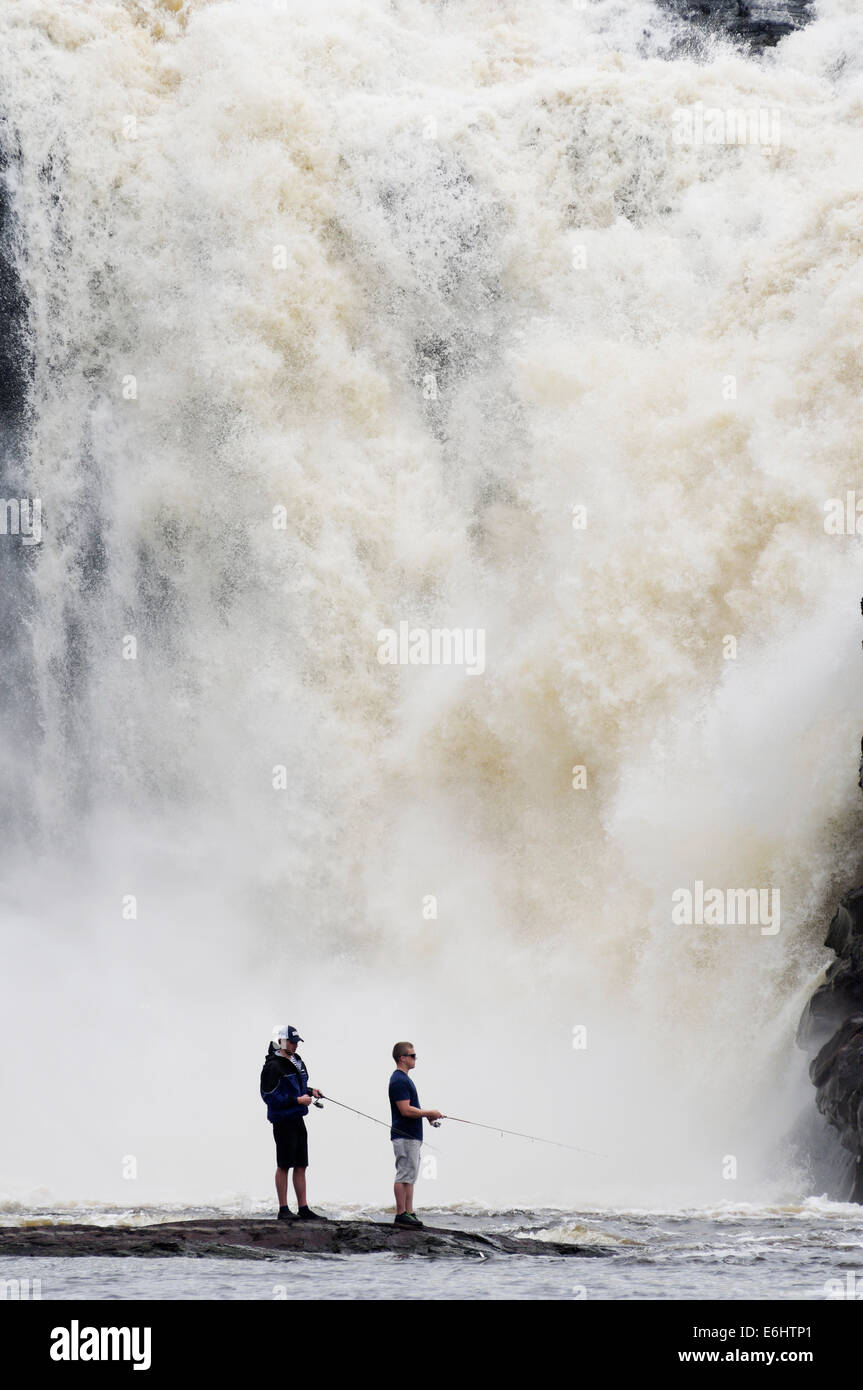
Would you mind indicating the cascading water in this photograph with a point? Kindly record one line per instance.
(332, 319)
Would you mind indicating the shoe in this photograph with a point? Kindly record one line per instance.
(414, 1219)
(285, 1214)
(407, 1218)
(306, 1214)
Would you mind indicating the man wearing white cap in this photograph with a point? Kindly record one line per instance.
(288, 1095)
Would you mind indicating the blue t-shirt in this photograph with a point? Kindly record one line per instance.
(404, 1126)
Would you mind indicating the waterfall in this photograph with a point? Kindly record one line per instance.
(320, 321)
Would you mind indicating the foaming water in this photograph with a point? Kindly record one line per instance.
(336, 316)
(809, 1253)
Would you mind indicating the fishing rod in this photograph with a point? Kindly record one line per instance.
(375, 1120)
(534, 1138)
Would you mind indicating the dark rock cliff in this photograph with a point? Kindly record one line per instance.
(831, 1032)
(760, 25)
(832, 1029)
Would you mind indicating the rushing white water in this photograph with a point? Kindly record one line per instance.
(250, 236)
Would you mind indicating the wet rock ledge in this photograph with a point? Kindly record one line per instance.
(271, 1239)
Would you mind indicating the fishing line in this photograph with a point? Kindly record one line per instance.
(534, 1138)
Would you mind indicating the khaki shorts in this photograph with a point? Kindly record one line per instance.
(407, 1152)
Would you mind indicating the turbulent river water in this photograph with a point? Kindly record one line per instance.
(326, 322)
(807, 1252)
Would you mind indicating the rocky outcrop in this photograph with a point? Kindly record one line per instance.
(832, 1023)
(841, 992)
(271, 1239)
(755, 24)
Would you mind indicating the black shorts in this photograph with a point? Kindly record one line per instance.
(292, 1143)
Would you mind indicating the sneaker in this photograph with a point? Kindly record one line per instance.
(306, 1214)
(407, 1218)
(414, 1219)
(285, 1214)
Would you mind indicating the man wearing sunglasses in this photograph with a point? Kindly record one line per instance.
(406, 1132)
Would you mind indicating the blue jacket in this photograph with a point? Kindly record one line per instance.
(282, 1084)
